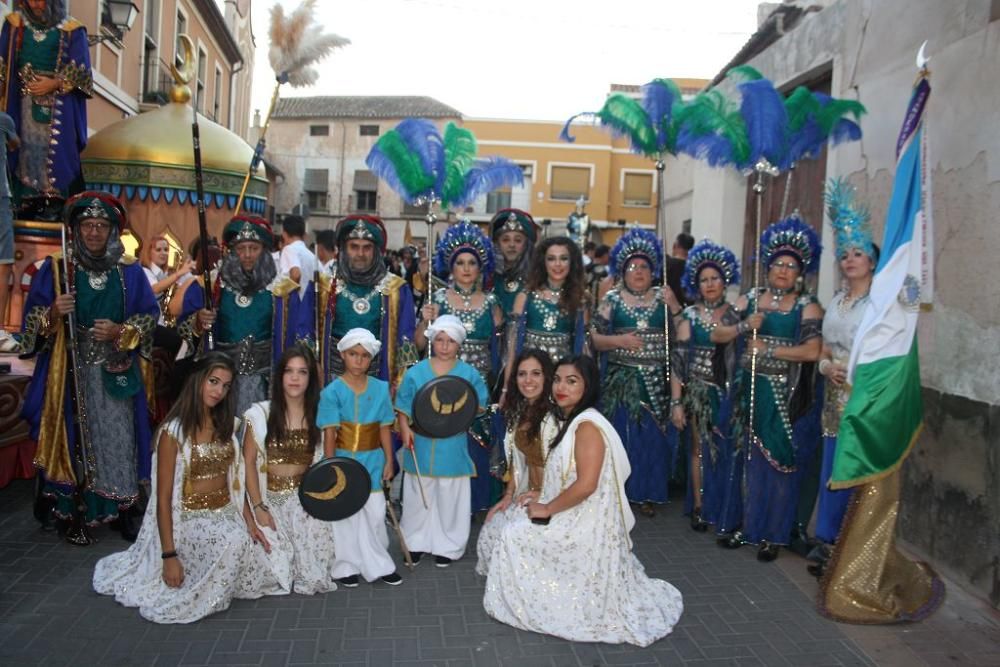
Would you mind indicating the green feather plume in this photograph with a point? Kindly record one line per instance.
(800, 105)
(744, 72)
(409, 169)
(712, 128)
(835, 110)
(625, 116)
(459, 158)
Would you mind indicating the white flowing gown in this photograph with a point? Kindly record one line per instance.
(490, 533)
(577, 578)
(302, 551)
(214, 547)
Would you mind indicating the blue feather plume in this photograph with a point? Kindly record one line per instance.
(763, 111)
(659, 97)
(424, 139)
(565, 135)
(487, 175)
(412, 160)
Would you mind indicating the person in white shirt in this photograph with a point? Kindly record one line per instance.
(297, 261)
(326, 251)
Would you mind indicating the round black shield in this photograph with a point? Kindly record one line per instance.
(335, 488)
(445, 406)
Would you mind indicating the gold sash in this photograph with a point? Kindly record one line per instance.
(358, 437)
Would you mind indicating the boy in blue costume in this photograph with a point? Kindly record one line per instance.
(442, 526)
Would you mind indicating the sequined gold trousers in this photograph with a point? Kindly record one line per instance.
(868, 580)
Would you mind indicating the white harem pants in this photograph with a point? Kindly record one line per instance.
(442, 528)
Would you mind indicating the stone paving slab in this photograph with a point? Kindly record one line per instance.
(737, 612)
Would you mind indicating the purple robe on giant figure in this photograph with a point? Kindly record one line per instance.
(52, 128)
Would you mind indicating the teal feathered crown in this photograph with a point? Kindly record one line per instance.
(636, 242)
(463, 237)
(851, 222)
(422, 165)
(705, 254)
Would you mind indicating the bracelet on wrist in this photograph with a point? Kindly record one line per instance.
(168, 554)
(675, 402)
(824, 366)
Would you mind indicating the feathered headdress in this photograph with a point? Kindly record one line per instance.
(851, 222)
(708, 254)
(297, 43)
(636, 242)
(463, 237)
(791, 236)
(420, 164)
(649, 124)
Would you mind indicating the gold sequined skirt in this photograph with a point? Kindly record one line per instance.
(868, 580)
(282, 483)
(211, 500)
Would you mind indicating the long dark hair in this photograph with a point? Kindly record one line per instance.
(574, 290)
(591, 390)
(277, 431)
(188, 407)
(517, 409)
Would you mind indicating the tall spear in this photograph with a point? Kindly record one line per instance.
(184, 74)
(297, 43)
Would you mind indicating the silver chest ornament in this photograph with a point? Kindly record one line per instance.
(98, 281)
(361, 306)
(244, 301)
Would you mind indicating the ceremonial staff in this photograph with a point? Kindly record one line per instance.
(77, 533)
(184, 74)
(651, 127)
(297, 43)
(425, 166)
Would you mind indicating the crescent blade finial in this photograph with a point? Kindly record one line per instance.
(922, 58)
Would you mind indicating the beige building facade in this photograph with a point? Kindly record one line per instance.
(133, 75)
(319, 144)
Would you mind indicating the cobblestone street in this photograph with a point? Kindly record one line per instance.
(737, 612)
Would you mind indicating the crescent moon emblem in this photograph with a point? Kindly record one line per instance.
(922, 58)
(185, 72)
(340, 483)
(447, 408)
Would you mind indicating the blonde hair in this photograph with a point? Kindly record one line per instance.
(147, 248)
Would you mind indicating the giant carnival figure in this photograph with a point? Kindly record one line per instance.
(46, 80)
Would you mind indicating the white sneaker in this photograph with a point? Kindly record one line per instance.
(8, 343)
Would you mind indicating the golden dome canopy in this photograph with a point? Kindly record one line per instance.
(163, 137)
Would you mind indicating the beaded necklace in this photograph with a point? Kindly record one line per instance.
(641, 312)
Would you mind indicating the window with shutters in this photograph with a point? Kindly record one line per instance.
(569, 183)
(498, 199)
(365, 191)
(316, 186)
(637, 189)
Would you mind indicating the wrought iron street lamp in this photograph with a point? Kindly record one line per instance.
(118, 17)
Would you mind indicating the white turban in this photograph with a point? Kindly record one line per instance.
(362, 337)
(450, 325)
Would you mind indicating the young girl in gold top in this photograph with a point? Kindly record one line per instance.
(280, 442)
(194, 552)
